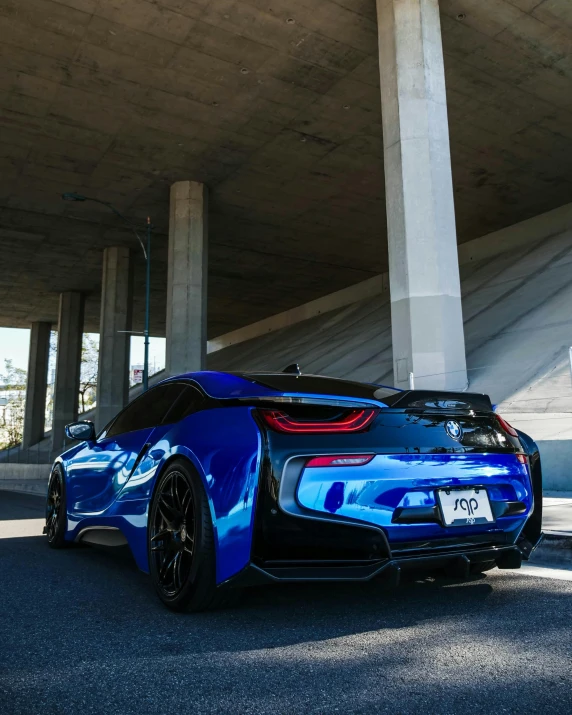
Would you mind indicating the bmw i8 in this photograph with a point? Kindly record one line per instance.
(217, 481)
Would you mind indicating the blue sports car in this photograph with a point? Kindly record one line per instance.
(217, 481)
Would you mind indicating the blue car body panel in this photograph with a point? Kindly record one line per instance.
(373, 491)
(224, 447)
(110, 482)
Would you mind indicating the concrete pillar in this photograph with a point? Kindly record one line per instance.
(68, 361)
(427, 322)
(187, 278)
(114, 342)
(35, 410)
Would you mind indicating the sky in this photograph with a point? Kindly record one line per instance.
(15, 343)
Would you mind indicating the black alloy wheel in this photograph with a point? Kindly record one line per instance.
(173, 533)
(56, 510)
(181, 549)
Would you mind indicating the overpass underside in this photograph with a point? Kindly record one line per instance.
(281, 152)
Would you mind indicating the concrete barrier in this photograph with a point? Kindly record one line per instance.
(27, 478)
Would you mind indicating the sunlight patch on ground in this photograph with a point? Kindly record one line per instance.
(16, 528)
(545, 572)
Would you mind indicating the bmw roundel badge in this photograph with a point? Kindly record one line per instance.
(453, 429)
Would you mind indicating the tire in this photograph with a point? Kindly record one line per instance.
(56, 511)
(483, 566)
(180, 542)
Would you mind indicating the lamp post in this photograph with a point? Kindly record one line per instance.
(147, 254)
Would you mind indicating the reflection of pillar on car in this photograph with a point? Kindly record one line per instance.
(187, 269)
(37, 383)
(114, 339)
(68, 361)
(426, 315)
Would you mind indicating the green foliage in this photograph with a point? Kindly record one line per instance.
(12, 404)
(13, 378)
(13, 391)
(88, 373)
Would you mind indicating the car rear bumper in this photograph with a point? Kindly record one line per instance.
(385, 518)
(399, 493)
(457, 561)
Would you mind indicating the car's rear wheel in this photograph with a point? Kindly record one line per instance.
(182, 560)
(56, 518)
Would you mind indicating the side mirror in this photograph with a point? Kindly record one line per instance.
(83, 431)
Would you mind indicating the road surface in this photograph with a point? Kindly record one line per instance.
(81, 631)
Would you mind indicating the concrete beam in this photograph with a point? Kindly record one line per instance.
(187, 278)
(37, 383)
(114, 342)
(68, 362)
(426, 316)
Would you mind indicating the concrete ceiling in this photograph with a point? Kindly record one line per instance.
(276, 107)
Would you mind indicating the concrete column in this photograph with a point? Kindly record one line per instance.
(68, 361)
(427, 322)
(35, 411)
(187, 278)
(114, 342)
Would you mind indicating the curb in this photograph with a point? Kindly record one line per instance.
(554, 551)
(33, 487)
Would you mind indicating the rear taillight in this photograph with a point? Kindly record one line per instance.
(340, 460)
(349, 421)
(509, 429)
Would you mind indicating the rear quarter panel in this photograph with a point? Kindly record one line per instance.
(224, 446)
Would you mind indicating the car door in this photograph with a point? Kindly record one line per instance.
(100, 470)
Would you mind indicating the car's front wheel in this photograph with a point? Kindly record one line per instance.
(182, 559)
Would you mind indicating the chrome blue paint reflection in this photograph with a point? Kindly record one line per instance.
(222, 444)
(373, 491)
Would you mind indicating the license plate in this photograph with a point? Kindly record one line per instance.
(462, 507)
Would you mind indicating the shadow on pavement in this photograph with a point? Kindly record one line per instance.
(82, 631)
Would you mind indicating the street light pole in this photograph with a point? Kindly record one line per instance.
(70, 196)
(147, 308)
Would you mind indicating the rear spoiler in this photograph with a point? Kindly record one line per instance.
(441, 400)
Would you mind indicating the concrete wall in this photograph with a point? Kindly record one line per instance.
(28, 478)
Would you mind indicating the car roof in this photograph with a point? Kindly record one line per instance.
(241, 385)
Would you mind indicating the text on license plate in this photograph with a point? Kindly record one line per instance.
(463, 507)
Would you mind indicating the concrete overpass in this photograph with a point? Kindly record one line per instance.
(274, 112)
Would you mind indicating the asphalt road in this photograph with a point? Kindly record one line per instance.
(81, 631)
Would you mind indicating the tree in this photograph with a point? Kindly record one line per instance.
(51, 379)
(88, 373)
(13, 390)
(13, 394)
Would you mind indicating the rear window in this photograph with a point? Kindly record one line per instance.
(316, 385)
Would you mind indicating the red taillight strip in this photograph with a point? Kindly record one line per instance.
(354, 421)
(340, 460)
(509, 429)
